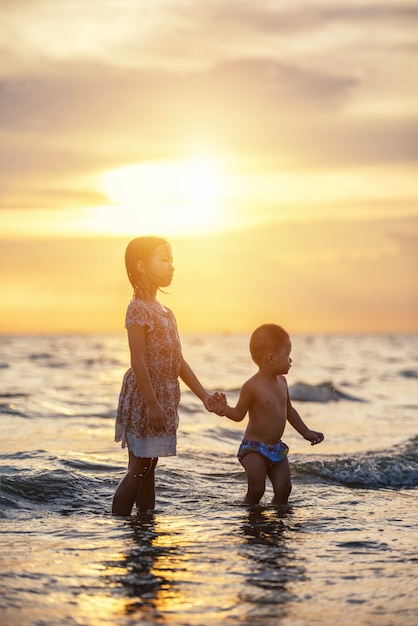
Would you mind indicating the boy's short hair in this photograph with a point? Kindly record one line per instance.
(264, 338)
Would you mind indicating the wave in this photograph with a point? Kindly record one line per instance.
(59, 490)
(323, 392)
(36, 356)
(89, 466)
(11, 409)
(37, 479)
(14, 395)
(409, 373)
(55, 410)
(33, 481)
(392, 469)
(305, 392)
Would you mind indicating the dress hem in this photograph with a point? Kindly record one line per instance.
(147, 447)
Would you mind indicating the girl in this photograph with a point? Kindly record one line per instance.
(147, 417)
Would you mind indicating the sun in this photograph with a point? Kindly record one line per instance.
(174, 197)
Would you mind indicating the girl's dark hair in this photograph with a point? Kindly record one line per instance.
(140, 249)
(264, 338)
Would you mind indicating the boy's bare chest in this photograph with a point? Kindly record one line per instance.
(273, 397)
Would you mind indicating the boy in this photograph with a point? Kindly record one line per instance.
(265, 397)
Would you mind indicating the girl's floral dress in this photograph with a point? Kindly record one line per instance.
(163, 358)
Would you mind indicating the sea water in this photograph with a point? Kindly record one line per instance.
(345, 550)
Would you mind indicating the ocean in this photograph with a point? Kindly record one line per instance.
(344, 551)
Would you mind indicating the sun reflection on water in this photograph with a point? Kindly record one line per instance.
(172, 567)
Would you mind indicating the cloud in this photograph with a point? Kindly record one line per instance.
(289, 19)
(249, 104)
(186, 34)
(70, 96)
(297, 85)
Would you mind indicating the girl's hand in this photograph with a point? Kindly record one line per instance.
(156, 418)
(217, 403)
(214, 402)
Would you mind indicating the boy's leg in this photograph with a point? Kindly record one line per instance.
(280, 479)
(145, 496)
(256, 470)
(125, 494)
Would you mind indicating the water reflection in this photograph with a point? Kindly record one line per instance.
(134, 575)
(151, 571)
(268, 561)
(232, 568)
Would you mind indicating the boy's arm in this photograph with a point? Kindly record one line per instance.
(299, 425)
(238, 412)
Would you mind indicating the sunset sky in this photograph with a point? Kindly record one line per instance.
(274, 143)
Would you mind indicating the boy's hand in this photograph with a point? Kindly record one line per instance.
(217, 403)
(314, 437)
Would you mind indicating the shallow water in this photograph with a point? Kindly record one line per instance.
(344, 551)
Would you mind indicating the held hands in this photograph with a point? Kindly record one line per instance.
(314, 437)
(216, 403)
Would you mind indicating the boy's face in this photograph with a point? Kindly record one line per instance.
(281, 357)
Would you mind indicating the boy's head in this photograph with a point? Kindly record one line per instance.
(265, 338)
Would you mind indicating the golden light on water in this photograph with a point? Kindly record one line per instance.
(100, 609)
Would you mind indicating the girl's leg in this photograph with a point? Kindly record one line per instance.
(256, 469)
(127, 490)
(145, 496)
(280, 479)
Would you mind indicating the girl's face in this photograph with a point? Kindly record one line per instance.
(160, 267)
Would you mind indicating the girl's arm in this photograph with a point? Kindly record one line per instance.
(137, 340)
(191, 380)
(299, 425)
